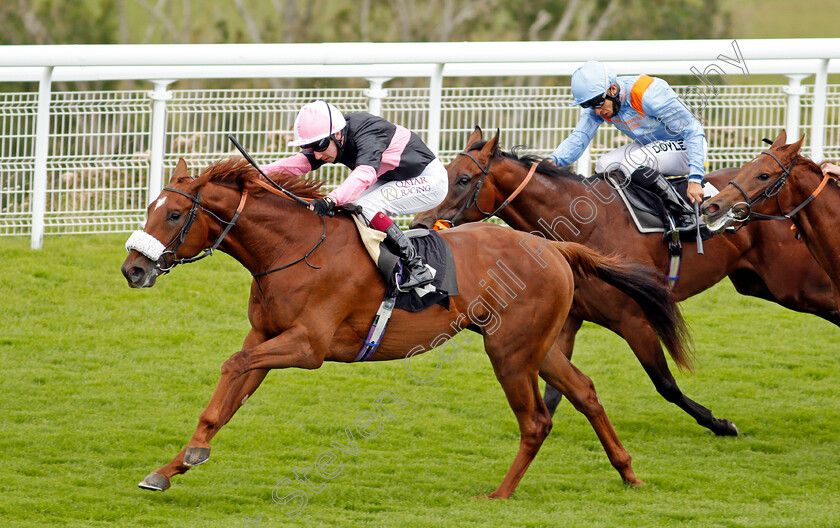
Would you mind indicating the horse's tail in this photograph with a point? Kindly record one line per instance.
(645, 286)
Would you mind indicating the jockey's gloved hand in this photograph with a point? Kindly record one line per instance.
(322, 206)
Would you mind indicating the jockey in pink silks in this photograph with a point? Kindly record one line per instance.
(393, 173)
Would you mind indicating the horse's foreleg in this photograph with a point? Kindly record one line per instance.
(579, 389)
(219, 412)
(566, 342)
(231, 392)
(159, 480)
(649, 352)
(240, 376)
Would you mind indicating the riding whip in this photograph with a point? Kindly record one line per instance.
(248, 157)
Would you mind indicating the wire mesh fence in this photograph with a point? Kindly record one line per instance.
(100, 146)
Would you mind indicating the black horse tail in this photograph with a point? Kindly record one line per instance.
(645, 286)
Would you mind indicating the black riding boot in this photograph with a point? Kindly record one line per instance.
(418, 273)
(683, 214)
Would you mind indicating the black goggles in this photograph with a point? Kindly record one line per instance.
(595, 102)
(318, 146)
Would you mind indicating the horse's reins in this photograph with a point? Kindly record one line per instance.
(286, 194)
(772, 191)
(196, 206)
(305, 257)
(472, 200)
(267, 184)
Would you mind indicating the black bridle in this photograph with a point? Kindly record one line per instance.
(185, 228)
(472, 199)
(179, 238)
(771, 191)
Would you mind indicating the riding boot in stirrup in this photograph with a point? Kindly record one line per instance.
(684, 217)
(418, 273)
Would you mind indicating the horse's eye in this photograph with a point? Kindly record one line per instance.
(173, 215)
(463, 180)
(763, 176)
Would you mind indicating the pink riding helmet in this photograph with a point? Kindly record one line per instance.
(313, 123)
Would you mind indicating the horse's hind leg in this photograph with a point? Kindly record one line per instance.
(649, 352)
(558, 371)
(566, 341)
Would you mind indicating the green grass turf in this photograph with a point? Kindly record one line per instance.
(103, 384)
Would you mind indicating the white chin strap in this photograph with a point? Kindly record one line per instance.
(145, 244)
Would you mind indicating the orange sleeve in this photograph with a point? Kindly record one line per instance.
(638, 91)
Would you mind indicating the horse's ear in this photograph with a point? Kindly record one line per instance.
(793, 149)
(475, 136)
(492, 146)
(180, 173)
(780, 140)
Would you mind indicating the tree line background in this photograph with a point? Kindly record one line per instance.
(266, 21)
(236, 21)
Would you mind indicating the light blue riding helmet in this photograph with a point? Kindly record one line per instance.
(591, 80)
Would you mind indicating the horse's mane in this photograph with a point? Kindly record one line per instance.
(524, 158)
(809, 163)
(237, 171)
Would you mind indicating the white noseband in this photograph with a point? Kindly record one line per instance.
(145, 244)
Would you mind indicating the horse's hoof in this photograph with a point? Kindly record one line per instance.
(637, 483)
(195, 456)
(727, 428)
(155, 482)
(494, 495)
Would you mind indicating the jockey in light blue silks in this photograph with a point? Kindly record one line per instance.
(667, 138)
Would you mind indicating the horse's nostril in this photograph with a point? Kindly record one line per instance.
(711, 208)
(134, 273)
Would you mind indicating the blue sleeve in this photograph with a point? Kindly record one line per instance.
(661, 102)
(573, 146)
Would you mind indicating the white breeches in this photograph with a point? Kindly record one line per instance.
(395, 198)
(667, 157)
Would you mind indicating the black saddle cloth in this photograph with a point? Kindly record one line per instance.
(435, 252)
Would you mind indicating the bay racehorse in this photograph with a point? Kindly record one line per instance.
(762, 260)
(315, 292)
(782, 185)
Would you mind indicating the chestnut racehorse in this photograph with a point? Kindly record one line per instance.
(315, 292)
(763, 260)
(782, 185)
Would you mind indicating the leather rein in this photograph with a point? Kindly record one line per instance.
(472, 200)
(772, 191)
(228, 225)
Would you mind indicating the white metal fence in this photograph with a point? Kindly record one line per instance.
(100, 154)
(89, 162)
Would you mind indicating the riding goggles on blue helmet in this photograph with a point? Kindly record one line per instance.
(595, 102)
